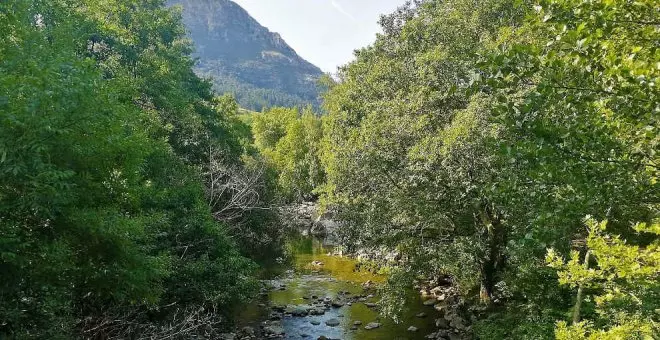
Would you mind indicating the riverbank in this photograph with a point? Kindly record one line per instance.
(317, 295)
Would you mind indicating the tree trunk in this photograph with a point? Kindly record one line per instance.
(578, 303)
(493, 261)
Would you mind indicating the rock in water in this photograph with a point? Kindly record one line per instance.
(274, 330)
(430, 302)
(412, 329)
(337, 304)
(332, 322)
(372, 325)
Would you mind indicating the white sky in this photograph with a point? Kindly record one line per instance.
(325, 32)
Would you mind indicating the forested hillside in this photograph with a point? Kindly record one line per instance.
(501, 155)
(245, 59)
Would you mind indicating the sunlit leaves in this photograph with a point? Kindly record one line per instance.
(625, 278)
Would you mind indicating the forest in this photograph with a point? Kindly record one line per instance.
(507, 146)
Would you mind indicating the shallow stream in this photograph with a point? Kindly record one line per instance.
(313, 278)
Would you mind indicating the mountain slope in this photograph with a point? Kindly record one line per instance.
(245, 58)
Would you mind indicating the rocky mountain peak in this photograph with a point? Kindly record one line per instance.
(245, 58)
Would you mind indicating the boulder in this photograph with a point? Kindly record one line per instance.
(299, 311)
(247, 331)
(372, 325)
(430, 302)
(454, 336)
(441, 323)
(332, 322)
(273, 330)
(337, 304)
(316, 311)
(412, 329)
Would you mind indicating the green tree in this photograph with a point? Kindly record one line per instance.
(624, 285)
(103, 131)
(290, 141)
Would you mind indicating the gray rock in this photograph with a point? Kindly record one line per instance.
(299, 311)
(247, 330)
(412, 329)
(316, 311)
(441, 323)
(430, 302)
(337, 304)
(421, 315)
(332, 322)
(457, 323)
(372, 325)
(274, 330)
(315, 322)
(454, 336)
(279, 308)
(357, 322)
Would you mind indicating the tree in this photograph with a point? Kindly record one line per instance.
(290, 142)
(624, 283)
(103, 131)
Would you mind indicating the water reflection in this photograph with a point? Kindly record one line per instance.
(335, 278)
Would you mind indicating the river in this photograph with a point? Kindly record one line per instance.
(311, 279)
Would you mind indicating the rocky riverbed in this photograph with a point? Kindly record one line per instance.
(324, 296)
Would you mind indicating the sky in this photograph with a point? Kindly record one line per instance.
(325, 32)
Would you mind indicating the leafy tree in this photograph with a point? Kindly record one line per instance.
(290, 141)
(624, 282)
(474, 137)
(103, 131)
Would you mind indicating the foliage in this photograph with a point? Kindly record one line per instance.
(624, 281)
(103, 131)
(290, 142)
(472, 137)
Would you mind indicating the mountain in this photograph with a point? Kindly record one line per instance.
(245, 58)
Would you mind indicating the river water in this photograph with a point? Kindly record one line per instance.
(298, 283)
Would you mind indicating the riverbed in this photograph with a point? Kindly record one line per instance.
(313, 293)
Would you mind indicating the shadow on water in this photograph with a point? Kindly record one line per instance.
(332, 279)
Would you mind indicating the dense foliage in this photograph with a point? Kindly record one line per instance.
(474, 136)
(105, 132)
(625, 282)
(289, 140)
